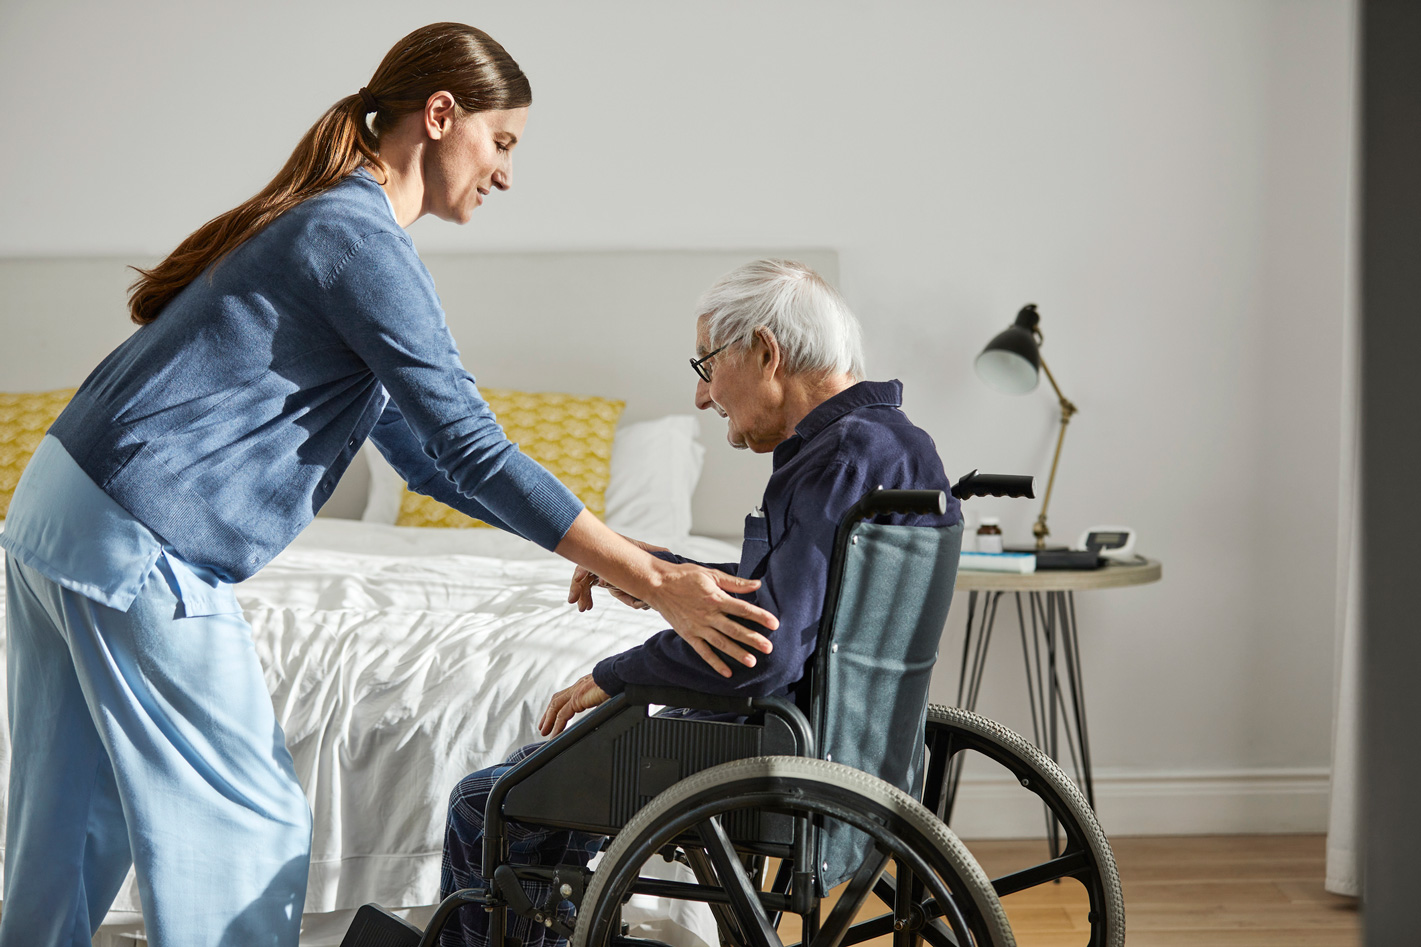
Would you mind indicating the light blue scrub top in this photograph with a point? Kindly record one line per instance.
(61, 524)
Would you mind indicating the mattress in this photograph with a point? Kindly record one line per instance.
(399, 660)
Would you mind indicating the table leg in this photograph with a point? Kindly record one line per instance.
(977, 638)
(1071, 645)
(1054, 630)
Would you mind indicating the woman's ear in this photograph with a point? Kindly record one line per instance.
(439, 111)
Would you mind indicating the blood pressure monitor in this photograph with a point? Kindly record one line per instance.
(1112, 542)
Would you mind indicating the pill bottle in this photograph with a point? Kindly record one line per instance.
(989, 534)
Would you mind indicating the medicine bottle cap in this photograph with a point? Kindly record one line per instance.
(991, 521)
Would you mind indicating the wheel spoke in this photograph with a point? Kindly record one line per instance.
(744, 897)
(860, 887)
(1063, 867)
(935, 932)
(887, 891)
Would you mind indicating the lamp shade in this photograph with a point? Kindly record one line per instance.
(1011, 362)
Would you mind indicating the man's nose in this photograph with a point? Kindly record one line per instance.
(703, 398)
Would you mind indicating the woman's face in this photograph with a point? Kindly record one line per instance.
(472, 156)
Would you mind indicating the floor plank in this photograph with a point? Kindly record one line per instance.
(1225, 891)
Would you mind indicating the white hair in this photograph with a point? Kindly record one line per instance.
(811, 322)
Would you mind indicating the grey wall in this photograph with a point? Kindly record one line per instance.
(1169, 181)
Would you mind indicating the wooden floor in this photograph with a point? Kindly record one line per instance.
(1234, 891)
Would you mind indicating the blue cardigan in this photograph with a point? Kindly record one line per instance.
(224, 425)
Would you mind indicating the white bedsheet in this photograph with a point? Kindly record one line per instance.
(400, 660)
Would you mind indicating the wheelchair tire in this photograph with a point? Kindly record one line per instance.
(1086, 855)
(902, 830)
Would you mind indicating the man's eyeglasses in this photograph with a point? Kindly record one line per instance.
(699, 364)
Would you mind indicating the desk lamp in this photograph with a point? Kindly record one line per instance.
(1012, 363)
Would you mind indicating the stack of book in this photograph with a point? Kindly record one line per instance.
(1022, 563)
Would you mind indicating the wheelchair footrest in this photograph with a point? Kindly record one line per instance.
(376, 927)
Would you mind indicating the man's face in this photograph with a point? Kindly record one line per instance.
(743, 391)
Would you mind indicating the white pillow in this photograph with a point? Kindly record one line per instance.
(387, 488)
(655, 468)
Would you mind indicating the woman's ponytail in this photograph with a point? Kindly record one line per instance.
(450, 57)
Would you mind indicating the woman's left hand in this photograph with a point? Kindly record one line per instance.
(566, 703)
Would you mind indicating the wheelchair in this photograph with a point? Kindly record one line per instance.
(851, 781)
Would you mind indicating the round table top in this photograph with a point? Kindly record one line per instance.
(1113, 575)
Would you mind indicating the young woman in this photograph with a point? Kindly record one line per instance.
(275, 340)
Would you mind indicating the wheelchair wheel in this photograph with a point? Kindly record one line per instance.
(1084, 856)
(957, 907)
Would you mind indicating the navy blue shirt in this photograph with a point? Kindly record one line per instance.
(856, 441)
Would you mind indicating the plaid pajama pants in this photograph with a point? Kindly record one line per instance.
(528, 845)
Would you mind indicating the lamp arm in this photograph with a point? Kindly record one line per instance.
(1039, 530)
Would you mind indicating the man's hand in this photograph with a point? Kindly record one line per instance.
(583, 695)
(584, 581)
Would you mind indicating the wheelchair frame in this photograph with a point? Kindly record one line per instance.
(946, 899)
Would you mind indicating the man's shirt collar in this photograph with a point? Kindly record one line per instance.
(865, 394)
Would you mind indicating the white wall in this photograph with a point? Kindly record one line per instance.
(1167, 180)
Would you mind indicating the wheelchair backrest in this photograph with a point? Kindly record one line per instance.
(874, 660)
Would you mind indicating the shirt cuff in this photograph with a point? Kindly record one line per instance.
(606, 677)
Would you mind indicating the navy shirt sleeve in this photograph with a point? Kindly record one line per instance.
(727, 567)
(793, 576)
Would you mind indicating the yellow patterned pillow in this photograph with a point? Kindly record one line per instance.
(571, 435)
(23, 420)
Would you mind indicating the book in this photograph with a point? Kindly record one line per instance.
(1022, 563)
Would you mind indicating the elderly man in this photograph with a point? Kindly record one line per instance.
(779, 357)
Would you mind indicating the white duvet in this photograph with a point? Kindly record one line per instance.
(400, 660)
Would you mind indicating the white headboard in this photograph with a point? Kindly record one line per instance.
(617, 323)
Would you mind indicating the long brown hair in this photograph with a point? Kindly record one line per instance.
(451, 57)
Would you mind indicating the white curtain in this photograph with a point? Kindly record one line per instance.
(1343, 827)
(1344, 861)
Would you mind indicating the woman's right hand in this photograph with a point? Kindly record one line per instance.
(701, 607)
(698, 603)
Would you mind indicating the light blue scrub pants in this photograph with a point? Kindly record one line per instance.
(145, 737)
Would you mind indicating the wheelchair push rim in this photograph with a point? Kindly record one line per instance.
(963, 909)
(1085, 855)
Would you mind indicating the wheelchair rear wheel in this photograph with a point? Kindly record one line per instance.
(958, 907)
(1084, 856)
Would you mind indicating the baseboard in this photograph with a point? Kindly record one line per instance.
(1244, 802)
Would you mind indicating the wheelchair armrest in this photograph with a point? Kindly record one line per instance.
(685, 697)
(724, 704)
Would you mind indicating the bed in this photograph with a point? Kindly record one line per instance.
(401, 658)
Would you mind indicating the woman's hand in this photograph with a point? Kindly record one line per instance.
(701, 607)
(566, 703)
(698, 603)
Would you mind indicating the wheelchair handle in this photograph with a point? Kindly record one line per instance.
(884, 502)
(994, 485)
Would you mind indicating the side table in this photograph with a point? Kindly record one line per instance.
(1050, 598)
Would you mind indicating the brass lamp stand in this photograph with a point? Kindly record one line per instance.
(1012, 363)
(1039, 529)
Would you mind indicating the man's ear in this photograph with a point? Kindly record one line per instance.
(769, 350)
(439, 111)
